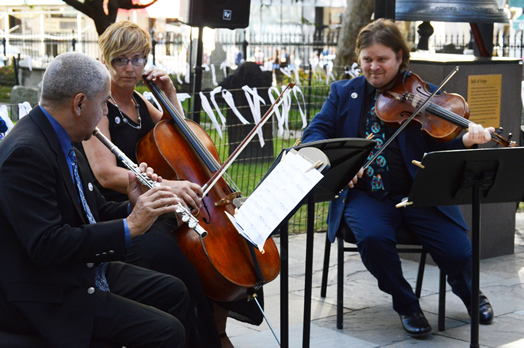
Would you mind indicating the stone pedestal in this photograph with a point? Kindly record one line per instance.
(497, 220)
(20, 94)
(30, 78)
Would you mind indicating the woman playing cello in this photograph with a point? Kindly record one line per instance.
(125, 48)
(368, 206)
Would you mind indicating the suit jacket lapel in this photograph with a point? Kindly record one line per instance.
(355, 96)
(47, 129)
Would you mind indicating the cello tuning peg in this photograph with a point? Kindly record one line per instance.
(418, 164)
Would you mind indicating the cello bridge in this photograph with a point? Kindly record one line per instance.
(228, 199)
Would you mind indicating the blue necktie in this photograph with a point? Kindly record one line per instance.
(377, 173)
(100, 278)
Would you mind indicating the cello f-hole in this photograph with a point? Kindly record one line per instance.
(208, 219)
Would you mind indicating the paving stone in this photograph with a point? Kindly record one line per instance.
(369, 320)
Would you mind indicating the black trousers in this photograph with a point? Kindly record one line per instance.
(144, 308)
(375, 223)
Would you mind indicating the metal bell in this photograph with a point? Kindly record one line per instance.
(471, 11)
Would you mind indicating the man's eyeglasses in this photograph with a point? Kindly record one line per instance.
(124, 61)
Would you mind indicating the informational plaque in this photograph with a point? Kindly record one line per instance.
(484, 99)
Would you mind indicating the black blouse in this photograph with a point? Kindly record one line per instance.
(126, 138)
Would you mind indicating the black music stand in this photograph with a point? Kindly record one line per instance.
(470, 177)
(346, 156)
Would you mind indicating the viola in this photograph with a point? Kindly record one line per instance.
(228, 267)
(443, 117)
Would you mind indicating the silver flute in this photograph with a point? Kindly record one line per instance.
(181, 211)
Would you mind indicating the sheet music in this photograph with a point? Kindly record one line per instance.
(281, 191)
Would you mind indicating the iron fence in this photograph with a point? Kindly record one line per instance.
(173, 50)
(313, 77)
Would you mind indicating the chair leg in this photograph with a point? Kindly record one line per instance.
(442, 302)
(340, 282)
(325, 269)
(420, 275)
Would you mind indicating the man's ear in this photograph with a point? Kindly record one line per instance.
(79, 103)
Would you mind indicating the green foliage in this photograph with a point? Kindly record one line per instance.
(7, 81)
(7, 76)
(5, 94)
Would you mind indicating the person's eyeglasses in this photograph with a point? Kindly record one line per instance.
(124, 61)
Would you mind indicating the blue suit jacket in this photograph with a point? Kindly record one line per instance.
(339, 118)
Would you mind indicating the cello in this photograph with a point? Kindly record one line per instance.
(229, 268)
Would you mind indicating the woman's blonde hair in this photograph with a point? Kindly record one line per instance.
(123, 38)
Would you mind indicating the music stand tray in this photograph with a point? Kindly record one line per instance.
(473, 177)
(347, 156)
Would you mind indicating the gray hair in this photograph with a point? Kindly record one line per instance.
(71, 73)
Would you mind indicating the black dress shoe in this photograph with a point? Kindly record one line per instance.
(485, 310)
(415, 324)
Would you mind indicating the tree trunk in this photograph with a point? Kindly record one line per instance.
(357, 15)
(104, 16)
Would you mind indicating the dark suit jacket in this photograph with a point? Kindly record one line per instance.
(339, 118)
(47, 247)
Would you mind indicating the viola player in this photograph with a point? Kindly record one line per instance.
(368, 206)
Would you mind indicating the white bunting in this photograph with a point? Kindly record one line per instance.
(214, 75)
(212, 95)
(209, 111)
(254, 100)
(286, 71)
(280, 119)
(228, 97)
(353, 72)
(188, 72)
(151, 97)
(23, 109)
(297, 77)
(302, 112)
(286, 106)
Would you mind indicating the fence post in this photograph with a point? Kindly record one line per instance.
(15, 65)
(73, 42)
(244, 48)
(153, 44)
(308, 109)
(4, 44)
(197, 83)
(521, 42)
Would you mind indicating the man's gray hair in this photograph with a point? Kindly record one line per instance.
(71, 73)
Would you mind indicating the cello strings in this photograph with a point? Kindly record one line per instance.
(202, 149)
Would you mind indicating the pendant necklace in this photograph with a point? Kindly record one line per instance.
(125, 119)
